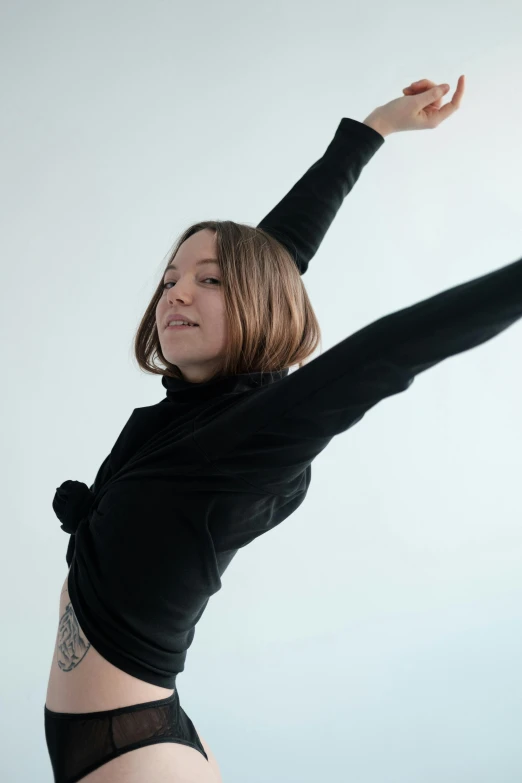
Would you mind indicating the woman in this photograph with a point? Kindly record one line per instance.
(226, 455)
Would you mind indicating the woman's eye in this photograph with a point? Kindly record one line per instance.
(174, 282)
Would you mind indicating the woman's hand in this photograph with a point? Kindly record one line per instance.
(419, 109)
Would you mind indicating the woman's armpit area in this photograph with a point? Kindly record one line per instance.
(71, 643)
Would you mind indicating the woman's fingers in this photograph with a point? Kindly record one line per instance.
(436, 108)
(459, 92)
(425, 84)
(421, 86)
(447, 110)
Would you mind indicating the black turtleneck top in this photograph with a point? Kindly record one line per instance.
(201, 474)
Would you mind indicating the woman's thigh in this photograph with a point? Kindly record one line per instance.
(211, 760)
(164, 762)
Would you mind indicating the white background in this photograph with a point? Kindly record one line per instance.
(374, 637)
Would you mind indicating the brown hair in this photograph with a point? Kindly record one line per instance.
(271, 322)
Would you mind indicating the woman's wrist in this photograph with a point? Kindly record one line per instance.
(373, 121)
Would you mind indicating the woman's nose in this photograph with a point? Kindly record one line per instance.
(180, 297)
(179, 292)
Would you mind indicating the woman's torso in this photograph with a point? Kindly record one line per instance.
(81, 680)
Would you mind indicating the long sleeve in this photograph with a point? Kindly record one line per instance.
(270, 437)
(302, 218)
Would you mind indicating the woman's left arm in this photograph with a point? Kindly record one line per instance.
(302, 218)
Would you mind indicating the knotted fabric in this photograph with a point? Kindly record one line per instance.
(72, 502)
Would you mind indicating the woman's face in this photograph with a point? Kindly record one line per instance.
(194, 291)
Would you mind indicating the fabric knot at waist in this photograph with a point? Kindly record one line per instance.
(72, 502)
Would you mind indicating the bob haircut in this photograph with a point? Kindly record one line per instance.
(271, 324)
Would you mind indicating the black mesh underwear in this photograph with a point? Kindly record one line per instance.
(79, 743)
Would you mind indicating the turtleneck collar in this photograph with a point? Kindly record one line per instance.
(180, 390)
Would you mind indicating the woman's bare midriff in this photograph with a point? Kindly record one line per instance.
(81, 680)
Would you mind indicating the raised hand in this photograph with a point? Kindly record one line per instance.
(419, 109)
